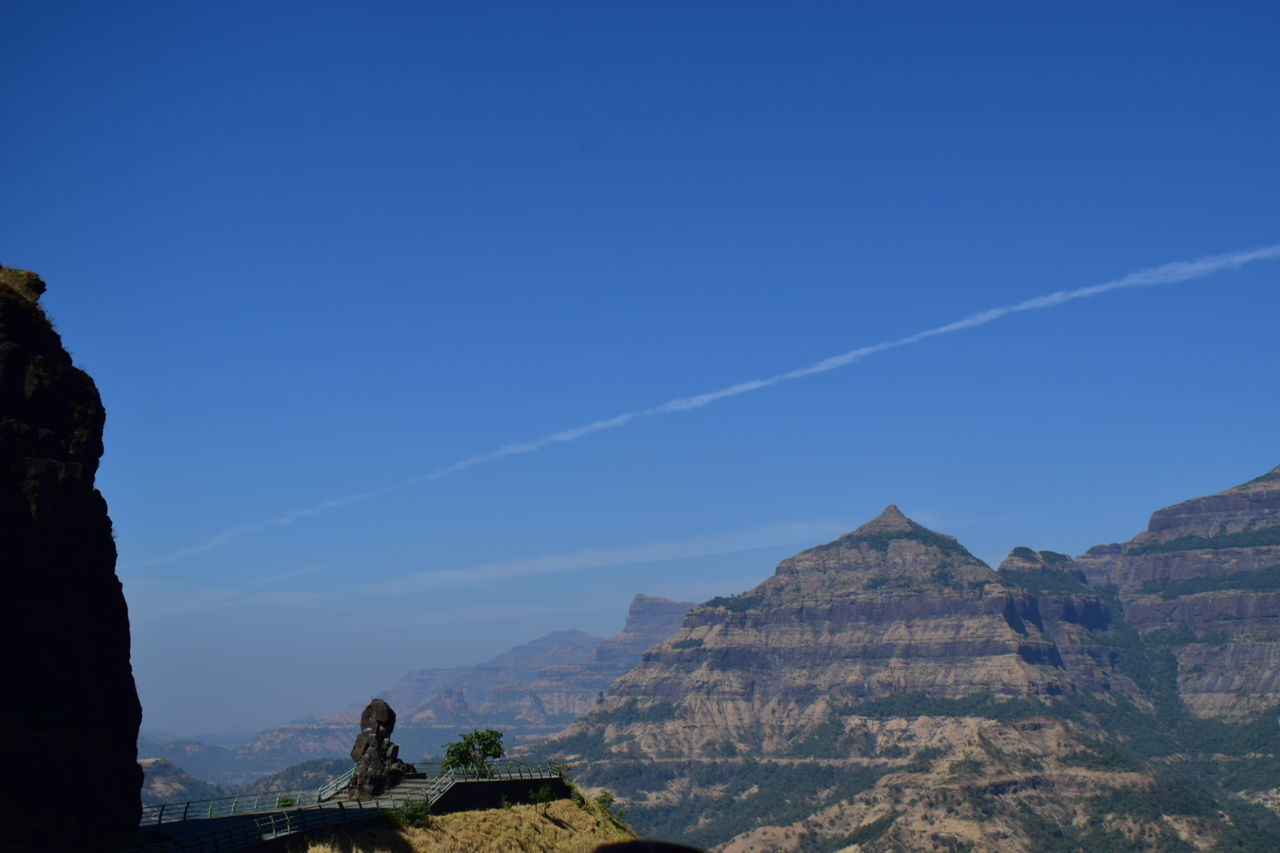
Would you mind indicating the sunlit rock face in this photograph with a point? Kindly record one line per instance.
(64, 636)
(785, 678)
(1204, 580)
(890, 608)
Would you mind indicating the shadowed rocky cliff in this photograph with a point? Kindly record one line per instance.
(64, 638)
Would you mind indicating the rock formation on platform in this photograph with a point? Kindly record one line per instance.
(65, 636)
(378, 764)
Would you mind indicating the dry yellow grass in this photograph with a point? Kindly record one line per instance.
(564, 828)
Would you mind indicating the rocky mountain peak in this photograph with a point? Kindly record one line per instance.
(890, 521)
(1022, 559)
(889, 552)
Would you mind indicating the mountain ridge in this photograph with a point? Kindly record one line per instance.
(890, 691)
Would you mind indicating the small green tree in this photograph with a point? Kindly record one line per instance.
(542, 797)
(474, 751)
(606, 801)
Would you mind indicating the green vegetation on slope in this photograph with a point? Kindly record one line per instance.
(1046, 582)
(1246, 539)
(748, 794)
(881, 541)
(1263, 579)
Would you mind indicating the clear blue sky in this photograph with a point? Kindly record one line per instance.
(316, 250)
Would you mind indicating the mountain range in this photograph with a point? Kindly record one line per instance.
(890, 691)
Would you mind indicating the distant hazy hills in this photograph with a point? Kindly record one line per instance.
(889, 690)
(531, 691)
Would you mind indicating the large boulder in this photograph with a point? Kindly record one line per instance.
(378, 759)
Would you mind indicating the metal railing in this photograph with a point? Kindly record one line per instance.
(266, 801)
(438, 780)
(496, 771)
(336, 784)
(254, 830)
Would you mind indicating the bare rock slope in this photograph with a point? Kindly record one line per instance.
(889, 691)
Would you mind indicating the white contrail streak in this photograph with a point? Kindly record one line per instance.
(1165, 274)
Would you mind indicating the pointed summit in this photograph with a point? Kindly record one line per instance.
(890, 521)
(889, 552)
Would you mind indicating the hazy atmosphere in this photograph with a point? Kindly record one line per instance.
(427, 329)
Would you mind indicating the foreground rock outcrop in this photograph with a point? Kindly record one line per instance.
(65, 637)
(377, 758)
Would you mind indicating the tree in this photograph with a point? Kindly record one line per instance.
(541, 797)
(474, 751)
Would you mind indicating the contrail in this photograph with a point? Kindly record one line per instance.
(1170, 273)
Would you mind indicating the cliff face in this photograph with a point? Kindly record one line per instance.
(1205, 575)
(65, 633)
(859, 667)
(1076, 619)
(890, 608)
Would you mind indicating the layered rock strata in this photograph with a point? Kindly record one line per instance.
(1076, 618)
(65, 636)
(817, 674)
(1204, 580)
(891, 608)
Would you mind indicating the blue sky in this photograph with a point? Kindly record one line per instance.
(314, 253)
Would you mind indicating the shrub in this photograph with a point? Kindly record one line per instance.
(413, 814)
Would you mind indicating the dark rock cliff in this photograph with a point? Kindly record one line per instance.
(64, 637)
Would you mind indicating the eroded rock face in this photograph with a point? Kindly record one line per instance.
(891, 608)
(783, 681)
(64, 637)
(1075, 618)
(1206, 576)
